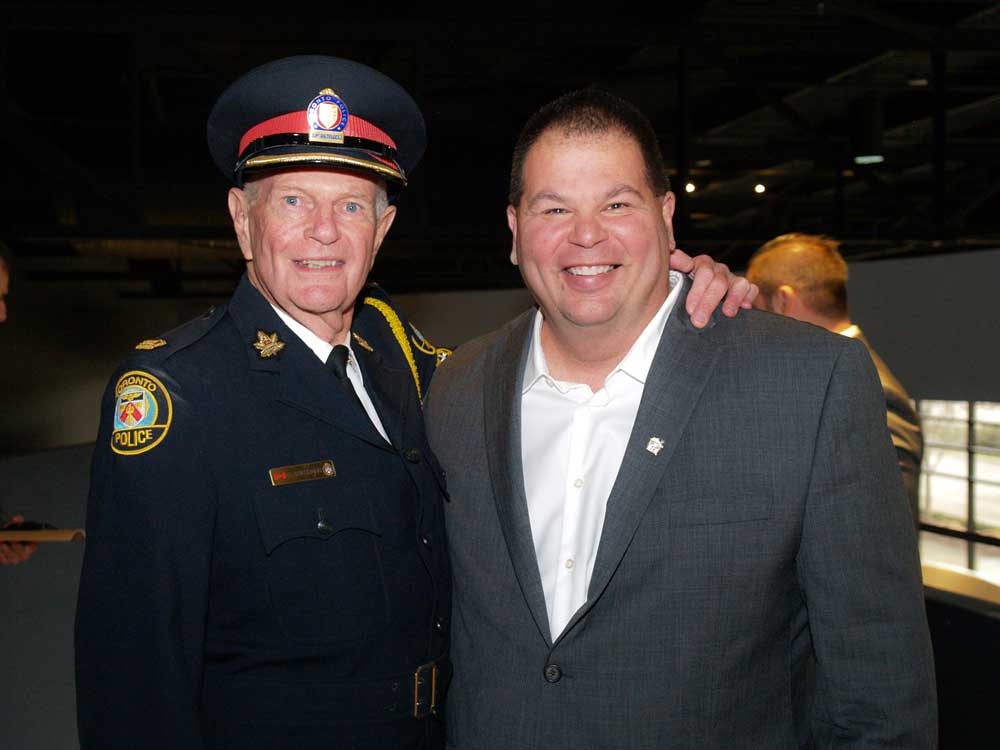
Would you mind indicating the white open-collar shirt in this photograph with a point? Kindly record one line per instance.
(572, 444)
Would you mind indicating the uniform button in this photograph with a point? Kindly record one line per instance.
(552, 673)
(324, 528)
(412, 455)
(439, 625)
(425, 540)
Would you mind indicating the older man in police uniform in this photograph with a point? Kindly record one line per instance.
(266, 563)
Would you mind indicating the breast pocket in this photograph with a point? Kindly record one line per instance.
(720, 509)
(323, 560)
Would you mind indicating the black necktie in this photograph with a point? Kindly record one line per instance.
(337, 362)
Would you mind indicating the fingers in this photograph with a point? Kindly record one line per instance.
(12, 553)
(713, 283)
(681, 261)
(710, 283)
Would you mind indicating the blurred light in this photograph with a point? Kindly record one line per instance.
(702, 163)
(866, 138)
(690, 187)
(919, 82)
(759, 188)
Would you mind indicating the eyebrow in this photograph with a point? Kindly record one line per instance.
(620, 189)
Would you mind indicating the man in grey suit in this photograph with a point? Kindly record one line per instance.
(665, 536)
(804, 276)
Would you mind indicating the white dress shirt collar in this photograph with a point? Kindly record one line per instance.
(636, 363)
(319, 347)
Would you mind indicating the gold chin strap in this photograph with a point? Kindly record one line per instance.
(396, 326)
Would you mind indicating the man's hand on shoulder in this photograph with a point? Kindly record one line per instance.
(712, 281)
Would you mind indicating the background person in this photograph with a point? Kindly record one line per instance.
(11, 553)
(804, 276)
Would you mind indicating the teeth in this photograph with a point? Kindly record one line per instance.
(589, 270)
(319, 263)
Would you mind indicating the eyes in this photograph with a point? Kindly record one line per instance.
(347, 206)
(613, 207)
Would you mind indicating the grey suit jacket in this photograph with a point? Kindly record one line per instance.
(904, 427)
(756, 583)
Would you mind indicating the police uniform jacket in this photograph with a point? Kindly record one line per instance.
(262, 568)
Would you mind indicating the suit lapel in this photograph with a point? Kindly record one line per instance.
(682, 366)
(502, 419)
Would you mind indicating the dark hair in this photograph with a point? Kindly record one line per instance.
(589, 112)
(811, 263)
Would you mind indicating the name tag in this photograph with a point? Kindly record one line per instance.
(302, 472)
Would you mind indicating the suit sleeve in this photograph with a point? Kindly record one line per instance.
(859, 571)
(141, 611)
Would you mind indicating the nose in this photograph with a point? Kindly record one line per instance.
(587, 231)
(324, 225)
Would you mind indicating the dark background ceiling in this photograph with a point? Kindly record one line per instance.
(106, 175)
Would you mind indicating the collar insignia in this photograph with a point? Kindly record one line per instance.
(361, 342)
(150, 344)
(268, 346)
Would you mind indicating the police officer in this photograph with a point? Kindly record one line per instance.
(265, 564)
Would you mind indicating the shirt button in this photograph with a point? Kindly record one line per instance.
(412, 455)
(578, 483)
(570, 563)
(552, 673)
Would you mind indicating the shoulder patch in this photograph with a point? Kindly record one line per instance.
(149, 344)
(143, 413)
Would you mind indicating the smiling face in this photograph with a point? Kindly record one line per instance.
(310, 238)
(590, 236)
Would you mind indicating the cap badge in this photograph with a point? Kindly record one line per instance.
(268, 346)
(327, 116)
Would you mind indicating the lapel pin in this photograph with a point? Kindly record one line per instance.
(268, 346)
(654, 446)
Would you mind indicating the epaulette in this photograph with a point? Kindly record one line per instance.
(378, 316)
(180, 337)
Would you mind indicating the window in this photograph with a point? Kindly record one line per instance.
(960, 484)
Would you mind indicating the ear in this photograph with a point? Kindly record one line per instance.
(512, 223)
(668, 206)
(239, 210)
(382, 228)
(784, 300)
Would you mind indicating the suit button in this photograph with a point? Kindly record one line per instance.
(439, 625)
(412, 455)
(552, 673)
(425, 539)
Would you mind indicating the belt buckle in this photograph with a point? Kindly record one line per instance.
(425, 674)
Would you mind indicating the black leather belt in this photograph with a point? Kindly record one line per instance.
(416, 694)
